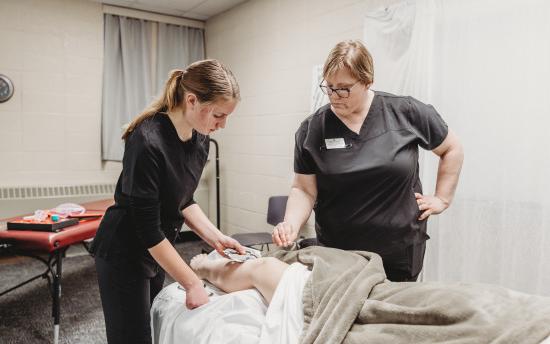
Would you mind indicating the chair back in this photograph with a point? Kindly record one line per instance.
(276, 209)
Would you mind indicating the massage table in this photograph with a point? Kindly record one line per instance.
(35, 244)
(244, 318)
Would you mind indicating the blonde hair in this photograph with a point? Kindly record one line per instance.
(209, 80)
(353, 55)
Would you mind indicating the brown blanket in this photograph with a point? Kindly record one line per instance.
(348, 300)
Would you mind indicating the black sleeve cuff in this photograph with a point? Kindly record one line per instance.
(191, 202)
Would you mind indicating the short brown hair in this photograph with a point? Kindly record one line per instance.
(353, 55)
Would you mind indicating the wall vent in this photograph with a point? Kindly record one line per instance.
(56, 191)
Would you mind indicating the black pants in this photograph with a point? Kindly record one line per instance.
(400, 266)
(126, 297)
(405, 265)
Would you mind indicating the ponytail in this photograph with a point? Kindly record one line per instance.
(168, 101)
(209, 80)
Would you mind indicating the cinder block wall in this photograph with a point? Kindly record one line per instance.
(50, 129)
(53, 51)
(271, 46)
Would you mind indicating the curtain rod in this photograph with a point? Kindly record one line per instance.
(152, 16)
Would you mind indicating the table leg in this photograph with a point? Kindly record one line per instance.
(56, 293)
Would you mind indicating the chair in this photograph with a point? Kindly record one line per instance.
(306, 242)
(275, 213)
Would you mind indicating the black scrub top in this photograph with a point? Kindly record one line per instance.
(159, 175)
(365, 189)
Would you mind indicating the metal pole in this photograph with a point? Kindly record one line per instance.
(217, 183)
(57, 294)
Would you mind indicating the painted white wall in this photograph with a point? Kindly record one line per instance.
(50, 129)
(53, 51)
(271, 46)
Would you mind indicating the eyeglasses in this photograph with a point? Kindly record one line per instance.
(341, 92)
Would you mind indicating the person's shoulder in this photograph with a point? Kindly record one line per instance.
(315, 118)
(149, 132)
(320, 112)
(406, 111)
(396, 100)
(399, 105)
(393, 98)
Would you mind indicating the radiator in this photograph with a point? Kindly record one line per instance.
(20, 200)
(26, 199)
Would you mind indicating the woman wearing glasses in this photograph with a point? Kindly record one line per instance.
(356, 164)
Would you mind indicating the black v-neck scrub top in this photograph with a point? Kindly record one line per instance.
(159, 175)
(365, 190)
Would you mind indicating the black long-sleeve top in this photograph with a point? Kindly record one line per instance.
(160, 173)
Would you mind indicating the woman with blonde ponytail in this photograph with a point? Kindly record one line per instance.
(166, 148)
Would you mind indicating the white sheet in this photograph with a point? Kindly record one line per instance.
(284, 319)
(241, 317)
(236, 318)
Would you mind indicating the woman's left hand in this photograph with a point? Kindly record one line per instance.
(430, 205)
(224, 241)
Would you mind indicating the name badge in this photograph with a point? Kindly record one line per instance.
(337, 143)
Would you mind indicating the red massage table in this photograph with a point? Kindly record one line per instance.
(54, 244)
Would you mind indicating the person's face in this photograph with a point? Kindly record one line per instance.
(358, 92)
(207, 118)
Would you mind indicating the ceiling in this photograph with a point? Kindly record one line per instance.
(192, 9)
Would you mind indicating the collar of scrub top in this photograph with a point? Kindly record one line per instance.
(323, 147)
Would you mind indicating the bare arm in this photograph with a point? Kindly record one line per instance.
(451, 156)
(168, 258)
(301, 200)
(197, 220)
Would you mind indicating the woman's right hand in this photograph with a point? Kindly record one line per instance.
(196, 296)
(283, 234)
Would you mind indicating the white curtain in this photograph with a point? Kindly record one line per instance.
(484, 64)
(177, 47)
(126, 78)
(131, 77)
